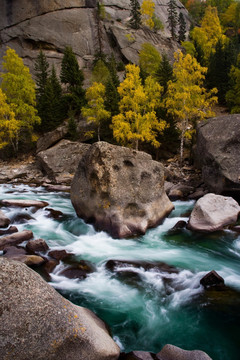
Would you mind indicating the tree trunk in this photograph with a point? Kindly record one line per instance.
(181, 148)
(98, 133)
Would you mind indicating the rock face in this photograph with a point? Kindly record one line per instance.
(53, 25)
(60, 161)
(213, 212)
(217, 154)
(119, 190)
(38, 323)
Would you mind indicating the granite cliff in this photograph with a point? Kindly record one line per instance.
(28, 26)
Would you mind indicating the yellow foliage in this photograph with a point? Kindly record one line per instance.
(149, 59)
(147, 11)
(137, 120)
(95, 111)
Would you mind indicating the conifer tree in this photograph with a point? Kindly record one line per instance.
(135, 20)
(233, 94)
(19, 88)
(164, 73)
(172, 18)
(112, 95)
(72, 76)
(182, 28)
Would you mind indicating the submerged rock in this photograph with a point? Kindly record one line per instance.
(38, 323)
(120, 190)
(78, 271)
(171, 352)
(213, 212)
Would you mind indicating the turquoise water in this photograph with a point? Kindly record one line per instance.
(146, 309)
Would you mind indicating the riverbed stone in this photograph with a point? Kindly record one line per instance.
(38, 323)
(171, 352)
(212, 212)
(15, 238)
(24, 203)
(4, 220)
(120, 190)
(212, 279)
(58, 254)
(10, 230)
(78, 271)
(37, 245)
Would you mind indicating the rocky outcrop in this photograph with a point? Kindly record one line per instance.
(53, 25)
(217, 154)
(38, 323)
(51, 138)
(60, 162)
(213, 212)
(119, 190)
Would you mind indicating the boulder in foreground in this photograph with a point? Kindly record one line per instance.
(120, 190)
(213, 212)
(171, 352)
(38, 323)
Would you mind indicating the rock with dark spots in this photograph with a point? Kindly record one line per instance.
(78, 271)
(120, 190)
(4, 220)
(24, 203)
(59, 254)
(60, 162)
(137, 355)
(55, 214)
(10, 230)
(171, 352)
(36, 246)
(15, 238)
(38, 323)
(217, 154)
(213, 212)
(212, 279)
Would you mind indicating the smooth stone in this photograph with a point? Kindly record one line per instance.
(24, 203)
(4, 220)
(16, 238)
(212, 279)
(59, 254)
(10, 230)
(78, 271)
(29, 260)
(171, 352)
(38, 245)
(54, 214)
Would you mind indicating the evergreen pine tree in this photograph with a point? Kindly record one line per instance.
(220, 63)
(112, 95)
(54, 114)
(72, 76)
(182, 28)
(135, 14)
(41, 74)
(172, 17)
(164, 73)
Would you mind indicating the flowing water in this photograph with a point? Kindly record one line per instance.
(146, 308)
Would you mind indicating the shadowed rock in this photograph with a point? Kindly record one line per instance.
(212, 279)
(58, 254)
(10, 230)
(120, 190)
(38, 245)
(137, 355)
(38, 323)
(4, 221)
(78, 271)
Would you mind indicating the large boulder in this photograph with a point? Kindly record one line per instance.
(171, 352)
(60, 161)
(217, 154)
(119, 190)
(38, 323)
(213, 212)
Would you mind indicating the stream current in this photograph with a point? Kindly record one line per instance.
(146, 308)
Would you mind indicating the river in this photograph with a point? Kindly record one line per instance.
(146, 308)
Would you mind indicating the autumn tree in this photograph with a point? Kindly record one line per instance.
(95, 110)
(135, 14)
(172, 17)
(231, 17)
(149, 59)
(137, 121)
(9, 126)
(72, 76)
(182, 28)
(19, 88)
(207, 36)
(187, 100)
(147, 11)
